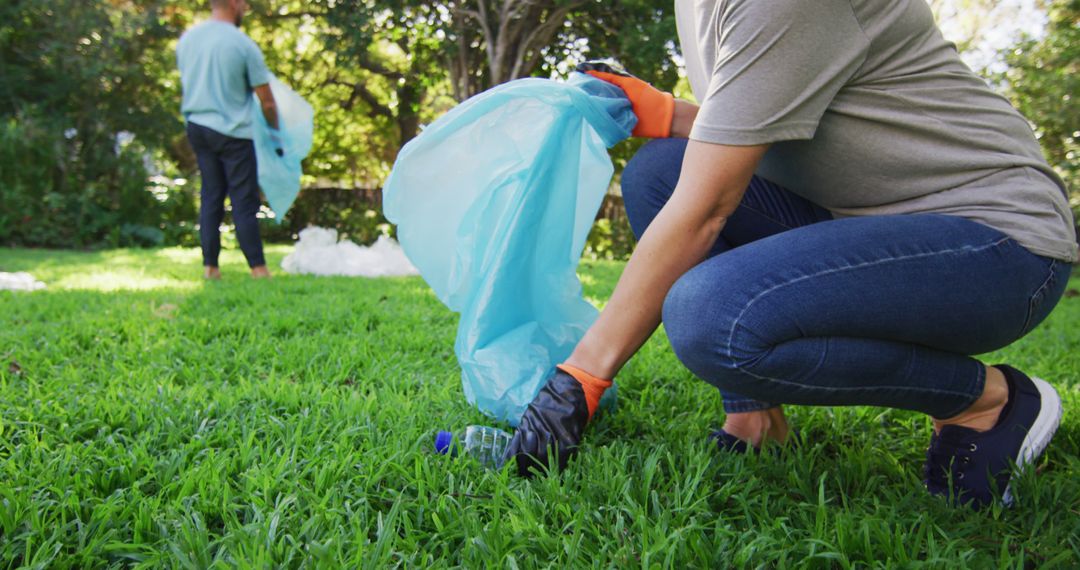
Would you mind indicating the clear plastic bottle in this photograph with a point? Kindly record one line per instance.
(484, 443)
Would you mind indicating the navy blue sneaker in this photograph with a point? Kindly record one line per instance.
(972, 468)
(729, 443)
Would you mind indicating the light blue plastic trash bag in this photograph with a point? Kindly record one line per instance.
(493, 203)
(279, 176)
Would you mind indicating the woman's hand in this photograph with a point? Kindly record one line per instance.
(653, 108)
(555, 420)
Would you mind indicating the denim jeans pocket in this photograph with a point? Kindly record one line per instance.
(1046, 296)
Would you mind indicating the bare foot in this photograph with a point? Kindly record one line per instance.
(211, 272)
(756, 427)
(260, 272)
(984, 413)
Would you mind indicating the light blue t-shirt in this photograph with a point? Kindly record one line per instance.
(219, 66)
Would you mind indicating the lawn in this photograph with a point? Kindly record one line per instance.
(150, 418)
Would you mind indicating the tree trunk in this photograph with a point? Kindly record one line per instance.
(408, 119)
(511, 34)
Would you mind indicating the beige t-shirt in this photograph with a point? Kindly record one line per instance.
(870, 112)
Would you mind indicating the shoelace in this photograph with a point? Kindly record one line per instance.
(945, 459)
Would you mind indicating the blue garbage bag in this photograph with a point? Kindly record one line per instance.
(279, 175)
(493, 203)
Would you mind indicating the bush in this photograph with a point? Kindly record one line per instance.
(65, 188)
(611, 236)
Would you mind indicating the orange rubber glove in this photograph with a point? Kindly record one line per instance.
(592, 386)
(654, 108)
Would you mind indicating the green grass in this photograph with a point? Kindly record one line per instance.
(149, 418)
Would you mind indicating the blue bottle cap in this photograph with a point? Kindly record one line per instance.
(443, 439)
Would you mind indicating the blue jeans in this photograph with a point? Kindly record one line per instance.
(795, 307)
(228, 167)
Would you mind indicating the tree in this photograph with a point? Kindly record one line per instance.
(397, 47)
(966, 21)
(80, 78)
(513, 35)
(98, 64)
(640, 34)
(1043, 82)
(415, 53)
(74, 77)
(982, 28)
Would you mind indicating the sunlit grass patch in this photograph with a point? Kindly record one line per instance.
(120, 281)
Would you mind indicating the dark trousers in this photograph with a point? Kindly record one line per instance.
(228, 167)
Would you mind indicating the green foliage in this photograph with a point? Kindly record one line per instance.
(376, 72)
(356, 123)
(611, 237)
(411, 61)
(397, 48)
(967, 23)
(640, 34)
(59, 191)
(101, 66)
(79, 80)
(1044, 82)
(604, 241)
(150, 419)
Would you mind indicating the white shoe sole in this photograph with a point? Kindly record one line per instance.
(1041, 432)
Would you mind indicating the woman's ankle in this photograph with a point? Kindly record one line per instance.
(984, 412)
(757, 426)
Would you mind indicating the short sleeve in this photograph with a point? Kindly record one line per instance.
(777, 66)
(257, 72)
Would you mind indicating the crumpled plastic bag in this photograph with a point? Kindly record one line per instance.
(20, 281)
(279, 176)
(493, 203)
(318, 252)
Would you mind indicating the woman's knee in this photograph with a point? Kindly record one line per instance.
(700, 322)
(682, 318)
(703, 319)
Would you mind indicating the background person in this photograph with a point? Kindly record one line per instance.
(855, 213)
(220, 67)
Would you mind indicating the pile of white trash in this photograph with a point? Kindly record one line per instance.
(318, 252)
(20, 281)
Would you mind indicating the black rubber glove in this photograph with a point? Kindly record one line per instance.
(555, 421)
(603, 66)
